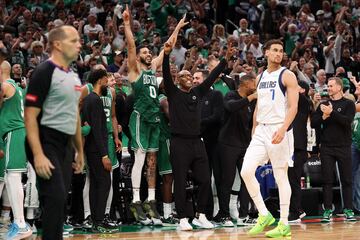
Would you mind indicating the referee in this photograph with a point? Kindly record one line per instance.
(52, 120)
(187, 150)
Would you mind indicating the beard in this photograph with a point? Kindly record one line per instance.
(143, 61)
(103, 91)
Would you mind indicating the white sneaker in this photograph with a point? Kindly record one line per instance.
(202, 222)
(246, 221)
(156, 222)
(184, 225)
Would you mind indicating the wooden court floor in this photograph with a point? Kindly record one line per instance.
(313, 231)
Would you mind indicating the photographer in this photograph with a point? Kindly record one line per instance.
(334, 117)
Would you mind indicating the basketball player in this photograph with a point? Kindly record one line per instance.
(144, 120)
(52, 120)
(12, 130)
(272, 138)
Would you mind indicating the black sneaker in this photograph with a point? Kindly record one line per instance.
(109, 221)
(294, 217)
(151, 210)
(139, 215)
(170, 221)
(103, 227)
(87, 224)
(221, 220)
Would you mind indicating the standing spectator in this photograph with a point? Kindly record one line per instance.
(335, 118)
(178, 53)
(92, 29)
(98, 8)
(300, 152)
(187, 150)
(234, 138)
(331, 52)
(27, 22)
(96, 54)
(47, 139)
(270, 21)
(290, 37)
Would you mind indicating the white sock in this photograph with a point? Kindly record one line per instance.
(282, 181)
(136, 195)
(110, 197)
(151, 194)
(5, 197)
(30, 213)
(86, 199)
(167, 210)
(136, 173)
(16, 197)
(216, 205)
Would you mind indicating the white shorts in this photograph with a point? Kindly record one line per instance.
(261, 150)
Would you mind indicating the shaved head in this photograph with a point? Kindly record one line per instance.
(5, 68)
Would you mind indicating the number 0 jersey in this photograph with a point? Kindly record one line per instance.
(272, 101)
(12, 111)
(146, 96)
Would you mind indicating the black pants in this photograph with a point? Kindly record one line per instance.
(53, 192)
(232, 158)
(185, 154)
(77, 206)
(100, 181)
(212, 151)
(294, 174)
(329, 156)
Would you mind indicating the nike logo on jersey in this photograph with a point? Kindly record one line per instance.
(269, 84)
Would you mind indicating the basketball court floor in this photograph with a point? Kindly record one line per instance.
(310, 229)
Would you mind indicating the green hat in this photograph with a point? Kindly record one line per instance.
(346, 83)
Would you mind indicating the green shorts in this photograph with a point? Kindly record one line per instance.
(2, 161)
(112, 151)
(15, 157)
(144, 135)
(163, 157)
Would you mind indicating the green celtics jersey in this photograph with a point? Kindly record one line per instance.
(356, 130)
(221, 86)
(146, 96)
(164, 123)
(12, 111)
(107, 104)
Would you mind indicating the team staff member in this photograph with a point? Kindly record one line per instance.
(334, 118)
(234, 138)
(187, 150)
(51, 121)
(96, 149)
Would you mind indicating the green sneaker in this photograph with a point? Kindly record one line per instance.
(281, 230)
(349, 215)
(261, 223)
(327, 215)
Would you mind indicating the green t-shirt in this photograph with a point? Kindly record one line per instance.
(290, 41)
(221, 86)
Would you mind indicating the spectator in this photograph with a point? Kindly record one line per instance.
(96, 53)
(98, 8)
(243, 28)
(92, 28)
(320, 84)
(118, 62)
(307, 75)
(17, 74)
(270, 21)
(27, 22)
(219, 34)
(178, 53)
(290, 37)
(335, 118)
(37, 55)
(255, 47)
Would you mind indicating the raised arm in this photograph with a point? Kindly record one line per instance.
(157, 62)
(132, 64)
(170, 87)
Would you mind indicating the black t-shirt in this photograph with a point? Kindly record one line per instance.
(336, 129)
(300, 123)
(237, 125)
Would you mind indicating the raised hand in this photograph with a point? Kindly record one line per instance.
(168, 47)
(126, 15)
(230, 52)
(182, 22)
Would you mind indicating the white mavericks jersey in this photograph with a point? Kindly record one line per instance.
(272, 100)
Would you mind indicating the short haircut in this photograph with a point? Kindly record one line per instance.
(56, 34)
(95, 75)
(271, 42)
(338, 81)
(246, 78)
(205, 73)
(138, 48)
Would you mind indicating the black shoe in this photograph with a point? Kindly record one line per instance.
(103, 227)
(222, 220)
(151, 210)
(170, 221)
(109, 221)
(87, 223)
